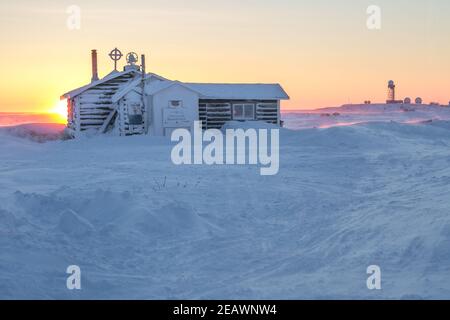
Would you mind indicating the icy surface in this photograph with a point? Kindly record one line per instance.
(38, 132)
(14, 119)
(354, 114)
(140, 227)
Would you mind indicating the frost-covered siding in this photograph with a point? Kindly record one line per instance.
(214, 113)
(90, 109)
(132, 115)
(115, 103)
(160, 101)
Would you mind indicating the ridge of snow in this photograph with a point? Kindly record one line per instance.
(345, 198)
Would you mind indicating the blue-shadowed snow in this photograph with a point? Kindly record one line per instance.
(354, 114)
(140, 227)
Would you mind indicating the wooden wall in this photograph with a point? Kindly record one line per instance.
(93, 107)
(214, 113)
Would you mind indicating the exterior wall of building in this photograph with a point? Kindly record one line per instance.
(165, 117)
(174, 107)
(132, 115)
(214, 113)
(70, 115)
(90, 109)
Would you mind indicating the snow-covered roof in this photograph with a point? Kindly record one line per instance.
(110, 76)
(221, 91)
(134, 85)
(156, 87)
(242, 91)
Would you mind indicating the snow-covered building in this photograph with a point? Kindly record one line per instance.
(134, 102)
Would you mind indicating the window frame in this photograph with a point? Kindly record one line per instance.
(180, 104)
(244, 106)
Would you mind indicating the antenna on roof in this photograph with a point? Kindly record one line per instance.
(143, 65)
(143, 92)
(115, 55)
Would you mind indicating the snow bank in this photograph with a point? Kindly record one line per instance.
(140, 227)
(8, 223)
(248, 125)
(171, 220)
(356, 114)
(72, 224)
(17, 118)
(38, 132)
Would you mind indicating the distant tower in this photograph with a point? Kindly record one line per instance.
(419, 100)
(391, 92)
(407, 101)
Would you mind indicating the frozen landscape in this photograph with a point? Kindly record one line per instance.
(357, 186)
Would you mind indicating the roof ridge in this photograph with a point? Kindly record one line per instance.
(82, 89)
(234, 83)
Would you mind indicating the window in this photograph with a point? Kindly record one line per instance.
(245, 111)
(175, 104)
(135, 114)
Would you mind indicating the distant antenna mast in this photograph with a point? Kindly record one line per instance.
(146, 112)
(391, 91)
(115, 55)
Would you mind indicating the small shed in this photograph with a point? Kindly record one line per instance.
(134, 102)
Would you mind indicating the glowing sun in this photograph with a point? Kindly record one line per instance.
(60, 111)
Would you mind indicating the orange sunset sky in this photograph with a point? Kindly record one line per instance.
(320, 51)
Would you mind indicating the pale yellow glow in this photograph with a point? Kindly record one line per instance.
(321, 52)
(60, 111)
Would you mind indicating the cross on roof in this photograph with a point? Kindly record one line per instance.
(115, 55)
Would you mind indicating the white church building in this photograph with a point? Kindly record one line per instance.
(131, 102)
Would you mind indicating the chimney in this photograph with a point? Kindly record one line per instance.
(94, 66)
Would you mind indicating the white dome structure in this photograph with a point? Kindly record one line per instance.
(419, 100)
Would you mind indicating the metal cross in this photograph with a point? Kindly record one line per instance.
(115, 55)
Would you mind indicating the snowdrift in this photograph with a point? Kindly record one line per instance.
(357, 114)
(140, 227)
(38, 132)
(13, 119)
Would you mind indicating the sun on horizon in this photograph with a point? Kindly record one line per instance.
(59, 111)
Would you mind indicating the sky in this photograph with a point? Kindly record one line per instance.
(320, 51)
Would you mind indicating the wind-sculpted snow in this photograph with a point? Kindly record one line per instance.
(38, 132)
(17, 118)
(357, 114)
(140, 227)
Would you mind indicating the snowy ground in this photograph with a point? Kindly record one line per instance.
(345, 198)
(355, 114)
(10, 119)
